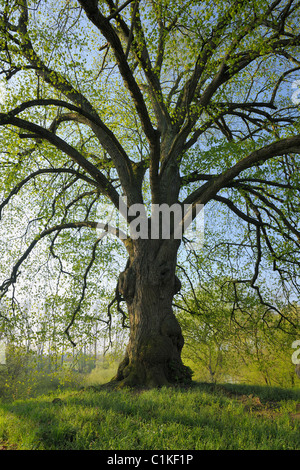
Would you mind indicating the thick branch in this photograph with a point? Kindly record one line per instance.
(237, 211)
(55, 79)
(104, 185)
(207, 191)
(95, 16)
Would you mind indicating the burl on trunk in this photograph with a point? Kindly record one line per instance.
(148, 285)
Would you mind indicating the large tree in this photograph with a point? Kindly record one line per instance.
(159, 102)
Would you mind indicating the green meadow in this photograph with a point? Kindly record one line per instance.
(203, 417)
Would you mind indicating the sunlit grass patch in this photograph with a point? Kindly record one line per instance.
(198, 418)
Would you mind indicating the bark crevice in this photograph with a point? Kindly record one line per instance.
(126, 284)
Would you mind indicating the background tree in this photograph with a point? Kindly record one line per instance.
(247, 347)
(161, 102)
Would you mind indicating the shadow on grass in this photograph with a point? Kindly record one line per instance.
(199, 417)
(265, 393)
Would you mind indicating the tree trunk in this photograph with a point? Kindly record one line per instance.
(148, 284)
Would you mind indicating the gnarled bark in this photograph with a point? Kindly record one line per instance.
(148, 284)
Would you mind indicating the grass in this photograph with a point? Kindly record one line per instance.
(203, 417)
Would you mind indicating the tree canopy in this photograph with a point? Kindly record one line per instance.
(158, 102)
